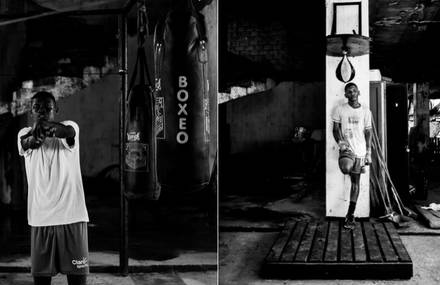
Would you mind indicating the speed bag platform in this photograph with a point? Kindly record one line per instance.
(182, 101)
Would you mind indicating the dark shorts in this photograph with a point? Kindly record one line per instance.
(357, 166)
(348, 159)
(59, 249)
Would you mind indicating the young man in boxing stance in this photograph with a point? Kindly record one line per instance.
(57, 210)
(352, 131)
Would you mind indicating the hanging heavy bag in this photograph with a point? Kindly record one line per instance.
(182, 100)
(140, 168)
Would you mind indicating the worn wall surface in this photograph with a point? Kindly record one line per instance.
(263, 41)
(270, 117)
(13, 39)
(96, 110)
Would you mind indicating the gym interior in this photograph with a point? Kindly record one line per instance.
(272, 124)
(75, 50)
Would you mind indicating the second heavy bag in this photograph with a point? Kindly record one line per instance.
(140, 144)
(182, 100)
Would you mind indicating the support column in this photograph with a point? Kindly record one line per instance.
(421, 108)
(337, 184)
(122, 61)
(419, 140)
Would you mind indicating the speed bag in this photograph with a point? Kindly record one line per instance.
(140, 171)
(182, 101)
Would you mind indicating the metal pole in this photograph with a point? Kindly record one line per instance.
(123, 253)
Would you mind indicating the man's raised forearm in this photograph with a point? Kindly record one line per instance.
(59, 130)
(62, 131)
(28, 141)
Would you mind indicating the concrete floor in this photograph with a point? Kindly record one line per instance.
(250, 223)
(182, 278)
(173, 235)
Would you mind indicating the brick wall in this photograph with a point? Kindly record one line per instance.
(264, 42)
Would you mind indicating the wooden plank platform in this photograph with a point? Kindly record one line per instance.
(326, 250)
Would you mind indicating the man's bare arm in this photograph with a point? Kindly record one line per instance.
(28, 141)
(368, 138)
(337, 133)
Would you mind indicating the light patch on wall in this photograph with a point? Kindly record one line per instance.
(347, 19)
(240, 91)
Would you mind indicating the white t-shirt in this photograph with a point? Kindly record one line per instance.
(55, 189)
(354, 121)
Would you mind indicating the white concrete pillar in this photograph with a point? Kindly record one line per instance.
(337, 184)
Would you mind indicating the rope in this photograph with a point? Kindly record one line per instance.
(384, 166)
(383, 175)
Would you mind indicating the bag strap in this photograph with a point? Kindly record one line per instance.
(141, 58)
(144, 68)
(142, 65)
(134, 74)
(200, 27)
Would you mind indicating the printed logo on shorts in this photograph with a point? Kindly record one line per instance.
(80, 263)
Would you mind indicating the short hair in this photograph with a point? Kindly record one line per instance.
(44, 95)
(350, 84)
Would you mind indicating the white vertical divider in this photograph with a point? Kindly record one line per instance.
(337, 184)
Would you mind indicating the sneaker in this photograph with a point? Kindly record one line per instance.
(349, 222)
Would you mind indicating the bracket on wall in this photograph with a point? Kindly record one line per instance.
(352, 8)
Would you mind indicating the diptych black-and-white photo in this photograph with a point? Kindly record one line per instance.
(219, 142)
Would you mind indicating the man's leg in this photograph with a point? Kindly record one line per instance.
(354, 192)
(73, 251)
(346, 165)
(355, 176)
(76, 279)
(42, 280)
(43, 261)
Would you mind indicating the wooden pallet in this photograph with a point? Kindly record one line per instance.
(326, 250)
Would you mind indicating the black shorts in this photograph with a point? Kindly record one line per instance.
(59, 249)
(356, 164)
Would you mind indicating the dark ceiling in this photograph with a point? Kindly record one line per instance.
(404, 34)
(45, 38)
(85, 35)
